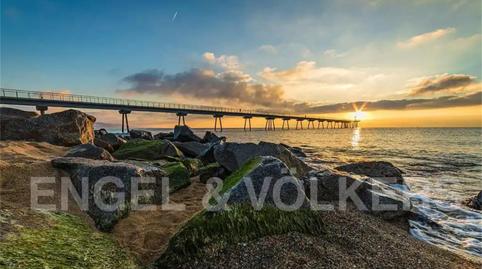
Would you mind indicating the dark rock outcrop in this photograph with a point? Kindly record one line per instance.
(212, 170)
(89, 151)
(379, 170)
(210, 137)
(161, 136)
(272, 173)
(109, 141)
(183, 133)
(12, 113)
(66, 128)
(295, 150)
(475, 202)
(367, 194)
(191, 149)
(104, 207)
(100, 132)
(142, 134)
(141, 149)
(233, 155)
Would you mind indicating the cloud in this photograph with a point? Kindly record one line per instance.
(207, 85)
(418, 40)
(402, 104)
(307, 70)
(268, 49)
(443, 83)
(229, 62)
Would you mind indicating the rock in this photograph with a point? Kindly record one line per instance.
(96, 170)
(161, 136)
(271, 171)
(475, 202)
(100, 132)
(140, 134)
(212, 170)
(89, 151)
(183, 133)
(12, 113)
(66, 128)
(297, 151)
(382, 171)
(104, 145)
(109, 141)
(207, 156)
(178, 175)
(233, 155)
(191, 149)
(140, 149)
(210, 137)
(192, 165)
(369, 195)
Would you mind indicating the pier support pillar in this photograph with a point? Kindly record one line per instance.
(218, 117)
(125, 122)
(42, 109)
(287, 120)
(247, 121)
(300, 121)
(270, 124)
(311, 122)
(181, 116)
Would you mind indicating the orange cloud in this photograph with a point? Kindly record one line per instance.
(418, 40)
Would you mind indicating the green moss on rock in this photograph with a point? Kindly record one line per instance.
(178, 175)
(67, 243)
(240, 224)
(237, 175)
(140, 149)
(193, 165)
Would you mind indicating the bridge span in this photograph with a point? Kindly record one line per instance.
(42, 100)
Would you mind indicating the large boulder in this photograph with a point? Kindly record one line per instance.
(108, 141)
(12, 113)
(379, 170)
(141, 149)
(183, 133)
(365, 193)
(295, 150)
(89, 151)
(142, 134)
(268, 177)
(193, 165)
(66, 128)
(475, 202)
(233, 155)
(100, 132)
(161, 136)
(104, 207)
(191, 149)
(178, 174)
(212, 170)
(210, 137)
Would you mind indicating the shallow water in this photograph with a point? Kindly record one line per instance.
(442, 166)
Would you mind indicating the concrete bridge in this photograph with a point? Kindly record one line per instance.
(43, 100)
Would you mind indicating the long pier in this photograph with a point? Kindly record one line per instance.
(42, 100)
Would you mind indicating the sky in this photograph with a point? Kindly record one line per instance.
(412, 63)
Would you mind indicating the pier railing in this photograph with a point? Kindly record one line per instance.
(59, 96)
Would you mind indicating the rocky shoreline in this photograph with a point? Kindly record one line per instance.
(359, 233)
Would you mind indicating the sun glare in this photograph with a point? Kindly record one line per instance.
(359, 115)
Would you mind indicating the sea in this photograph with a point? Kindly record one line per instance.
(442, 168)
